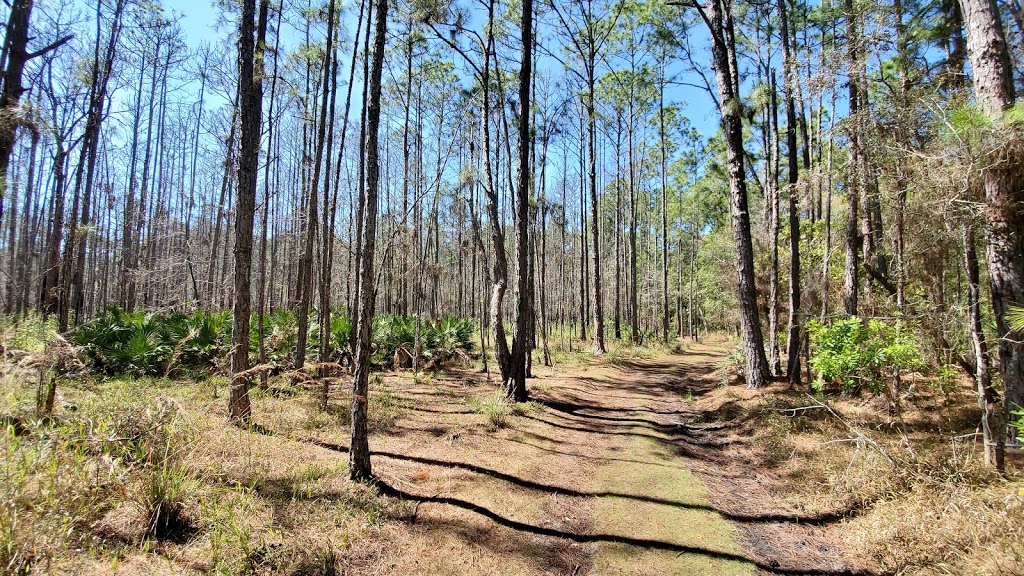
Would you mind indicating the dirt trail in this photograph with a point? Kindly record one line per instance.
(604, 477)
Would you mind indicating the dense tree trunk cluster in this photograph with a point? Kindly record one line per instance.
(641, 164)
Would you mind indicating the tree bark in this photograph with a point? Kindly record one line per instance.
(854, 175)
(723, 51)
(359, 452)
(793, 338)
(1004, 191)
(515, 386)
(251, 39)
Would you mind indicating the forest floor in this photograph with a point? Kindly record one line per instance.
(641, 462)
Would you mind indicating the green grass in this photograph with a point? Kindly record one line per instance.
(497, 411)
(682, 524)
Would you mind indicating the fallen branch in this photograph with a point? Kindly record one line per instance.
(793, 411)
(863, 438)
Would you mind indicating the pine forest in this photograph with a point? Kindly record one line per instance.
(524, 287)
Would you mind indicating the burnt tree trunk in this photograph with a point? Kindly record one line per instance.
(251, 36)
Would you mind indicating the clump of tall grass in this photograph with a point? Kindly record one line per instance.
(497, 410)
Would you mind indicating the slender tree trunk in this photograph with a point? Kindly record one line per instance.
(229, 155)
(306, 260)
(772, 197)
(267, 199)
(664, 204)
(789, 77)
(634, 312)
(359, 452)
(251, 38)
(594, 234)
(617, 319)
(854, 174)
(988, 399)
(51, 265)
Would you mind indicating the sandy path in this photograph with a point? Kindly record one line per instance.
(593, 481)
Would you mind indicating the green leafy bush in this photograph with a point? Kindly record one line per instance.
(454, 333)
(853, 354)
(119, 342)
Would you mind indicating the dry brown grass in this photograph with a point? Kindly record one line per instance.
(78, 490)
(933, 510)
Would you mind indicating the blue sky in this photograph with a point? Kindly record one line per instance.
(199, 21)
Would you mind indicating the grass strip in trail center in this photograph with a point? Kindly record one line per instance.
(650, 517)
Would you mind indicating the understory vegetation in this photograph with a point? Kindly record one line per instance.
(908, 495)
(133, 467)
(196, 344)
(136, 461)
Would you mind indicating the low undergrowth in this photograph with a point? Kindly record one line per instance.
(914, 493)
(125, 473)
(195, 344)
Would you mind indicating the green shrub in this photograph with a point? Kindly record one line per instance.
(455, 334)
(341, 331)
(947, 379)
(119, 342)
(439, 340)
(854, 354)
(30, 333)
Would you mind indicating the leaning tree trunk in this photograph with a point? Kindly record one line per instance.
(723, 51)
